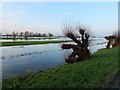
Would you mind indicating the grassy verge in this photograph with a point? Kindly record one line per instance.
(97, 72)
(16, 43)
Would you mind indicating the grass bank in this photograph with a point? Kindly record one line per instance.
(97, 72)
(17, 43)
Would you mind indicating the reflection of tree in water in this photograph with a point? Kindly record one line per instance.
(23, 54)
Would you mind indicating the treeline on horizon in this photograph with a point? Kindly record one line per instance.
(27, 34)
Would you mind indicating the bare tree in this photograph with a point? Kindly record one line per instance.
(113, 40)
(14, 34)
(30, 34)
(26, 34)
(110, 40)
(39, 34)
(50, 34)
(81, 48)
(21, 34)
(44, 35)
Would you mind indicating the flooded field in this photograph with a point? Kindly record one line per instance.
(19, 60)
(34, 39)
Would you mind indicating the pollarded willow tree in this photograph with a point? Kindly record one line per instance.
(113, 40)
(80, 49)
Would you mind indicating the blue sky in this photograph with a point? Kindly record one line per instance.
(100, 17)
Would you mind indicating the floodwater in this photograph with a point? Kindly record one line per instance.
(34, 39)
(19, 60)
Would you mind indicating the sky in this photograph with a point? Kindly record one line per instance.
(101, 18)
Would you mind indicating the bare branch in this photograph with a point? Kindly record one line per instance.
(69, 32)
(68, 46)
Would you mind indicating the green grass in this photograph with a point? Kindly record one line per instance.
(17, 43)
(96, 72)
(29, 38)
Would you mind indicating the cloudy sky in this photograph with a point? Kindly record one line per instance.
(100, 17)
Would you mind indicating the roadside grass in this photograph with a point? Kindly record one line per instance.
(97, 72)
(17, 43)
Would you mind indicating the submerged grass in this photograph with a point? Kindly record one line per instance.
(17, 43)
(96, 72)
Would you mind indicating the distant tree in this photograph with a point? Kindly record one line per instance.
(21, 34)
(14, 34)
(39, 34)
(36, 34)
(26, 34)
(44, 35)
(30, 34)
(50, 35)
